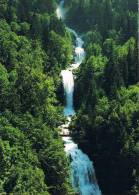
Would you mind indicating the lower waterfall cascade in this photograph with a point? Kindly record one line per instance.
(82, 170)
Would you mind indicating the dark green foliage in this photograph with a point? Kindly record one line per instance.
(107, 91)
(104, 15)
(20, 169)
(34, 47)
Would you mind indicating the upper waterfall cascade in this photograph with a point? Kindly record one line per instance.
(82, 169)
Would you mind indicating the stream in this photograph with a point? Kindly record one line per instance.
(82, 170)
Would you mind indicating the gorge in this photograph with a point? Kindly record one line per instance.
(82, 170)
(69, 97)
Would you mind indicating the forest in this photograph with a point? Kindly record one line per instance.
(34, 47)
(107, 91)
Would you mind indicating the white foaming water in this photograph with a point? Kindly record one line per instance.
(80, 54)
(60, 11)
(83, 173)
(68, 83)
(82, 169)
(67, 75)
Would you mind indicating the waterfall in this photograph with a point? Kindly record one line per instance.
(83, 173)
(68, 83)
(60, 11)
(82, 170)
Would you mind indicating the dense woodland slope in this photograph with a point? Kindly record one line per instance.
(107, 90)
(34, 47)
